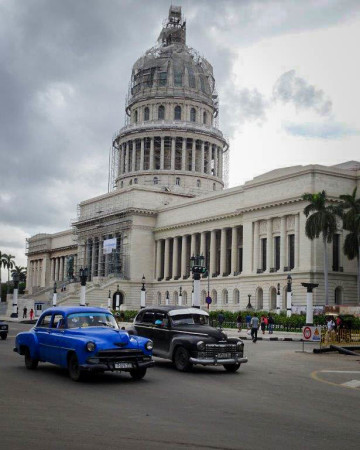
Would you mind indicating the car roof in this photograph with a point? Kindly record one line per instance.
(178, 309)
(75, 309)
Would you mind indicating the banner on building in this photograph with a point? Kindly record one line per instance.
(109, 245)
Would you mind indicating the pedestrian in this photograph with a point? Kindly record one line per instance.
(221, 319)
(266, 322)
(262, 324)
(271, 323)
(239, 322)
(248, 320)
(25, 312)
(31, 314)
(254, 323)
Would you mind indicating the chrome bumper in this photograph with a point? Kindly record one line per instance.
(216, 362)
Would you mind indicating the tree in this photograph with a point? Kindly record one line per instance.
(2, 264)
(350, 212)
(9, 264)
(321, 219)
(21, 271)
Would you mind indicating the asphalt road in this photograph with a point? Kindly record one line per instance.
(281, 399)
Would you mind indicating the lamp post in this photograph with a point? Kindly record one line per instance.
(117, 297)
(249, 306)
(167, 298)
(109, 301)
(54, 295)
(309, 302)
(143, 293)
(197, 268)
(288, 296)
(180, 296)
(278, 299)
(15, 277)
(83, 274)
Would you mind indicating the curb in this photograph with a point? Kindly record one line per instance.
(273, 339)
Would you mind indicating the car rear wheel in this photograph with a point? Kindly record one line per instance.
(74, 368)
(181, 359)
(138, 374)
(3, 337)
(30, 363)
(231, 367)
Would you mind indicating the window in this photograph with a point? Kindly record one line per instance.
(130, 182)
(202, 83)
(45, 321)
(161, 112)
(336, 253)
(156, 180)
(146, 113)
(277, 252)
(177, 78)
(177, 113)
(122, 184)
(205, 118)
(214, 187)
(192, 82)
(225, 297)
(177, 181)
(159, 298)
(236, 297)
(135, 181)
(291, 238)
(135, 116)
(192, 115)
(149, 317)
(198, 183)
(162, 79)
(263, 254)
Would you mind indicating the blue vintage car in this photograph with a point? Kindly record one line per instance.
(84, 339)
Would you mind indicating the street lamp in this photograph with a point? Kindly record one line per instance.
(55, 295)
(109, 301)
(83, 274)
(143, 293)
(249, 306)
(288, 296)
(167, 298)
(15, 277)
(278, 299)
(117, 297)
(180, 296)
(197, 266)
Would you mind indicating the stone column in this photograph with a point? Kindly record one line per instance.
(269, 246)
(202, 157)
(142, 153)
(93, 255)
(183, 256)
(203, 243)
(215, 162)
(52, 270)
(175, 265)
(283, 243)
(212, 252)
(297, 241)
(183, 161)
(167, 259)
(56, 269)
(172, 153)
(100, 257)
(151, 165)
(234, 250)
(158, 259)
(209, 159)
(223, 252)
(120, 160)
(162, 153)
(133, 162)
(193, 155)
(61, 268)
(193, 245)
(220, 159)
(256, 247)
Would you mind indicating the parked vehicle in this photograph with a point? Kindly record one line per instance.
(184, 336)
(84, 339)
(4, 329)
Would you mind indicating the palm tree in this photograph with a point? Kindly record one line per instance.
(21, 271)
(2, 264)
(9, 264)
(350, 208)
(321, 219)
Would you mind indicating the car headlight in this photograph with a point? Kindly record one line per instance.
(239, 345)
(90, 346)
(201, 346)
(149, 345)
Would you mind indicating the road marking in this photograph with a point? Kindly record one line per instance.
(314, 376)
(340, 371)
(352, 383)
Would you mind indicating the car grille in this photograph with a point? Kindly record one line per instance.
(123, 354)
(4, 327)
(213, 349)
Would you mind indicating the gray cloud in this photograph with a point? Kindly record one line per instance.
(327, 130)
(290, 88)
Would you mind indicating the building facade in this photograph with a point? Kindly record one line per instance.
(167, 202)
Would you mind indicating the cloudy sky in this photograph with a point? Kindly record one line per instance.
(287, 73)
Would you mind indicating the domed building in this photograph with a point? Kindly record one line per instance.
(167, 202)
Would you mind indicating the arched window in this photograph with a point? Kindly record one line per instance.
(198, 183)
(146, 113)
(167, 298)
(156, 180)
(338, 296)
(192, 115)
(236, 297)
(176, 298)
(122, 184)
(259, 299)
(177, 78)
(162, 78)
(225, 297)
(159, 298)
(205, 117)
(184, 297)
(272, 299)
(130, 182)
(135, 116)
(161, 112)
(203, 297)
(214, 187)
(177, 113)
(214, 297)
(135, 181)
(177, 181)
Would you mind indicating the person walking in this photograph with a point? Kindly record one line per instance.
(262, 324)
(254, 323)
(247, 320)
(25, 312)
(239, 322)
(31, 314)
(271, 323)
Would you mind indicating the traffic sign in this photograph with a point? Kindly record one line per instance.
(311, 333)
(208, 300)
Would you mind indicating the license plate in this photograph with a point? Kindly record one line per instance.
(123, 365)
(224, 355)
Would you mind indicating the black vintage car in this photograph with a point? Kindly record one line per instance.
(184, 336)
(4, 329)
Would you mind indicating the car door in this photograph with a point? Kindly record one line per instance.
(56, 347)
(144, 324)
(42, 331)
(162, 333)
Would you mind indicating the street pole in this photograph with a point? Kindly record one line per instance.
(15, 277)
(117, 296)
(288, 296)
(54, 295)
(109, 301)
(143, 294)
(309, 302)
(180, 296)
(167, 298)
(83, 278)
(196, 301)
(197, 268)
(278, 300)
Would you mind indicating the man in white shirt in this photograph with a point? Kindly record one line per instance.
(254, 324)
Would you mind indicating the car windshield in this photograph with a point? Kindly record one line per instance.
(91, 319)
(190, 319)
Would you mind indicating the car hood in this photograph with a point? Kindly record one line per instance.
(109, 335)
(201, 330)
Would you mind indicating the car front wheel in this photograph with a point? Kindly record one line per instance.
(30, 363)
(74, 368)
(181, 359)
(138, 374)
(231, 367)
